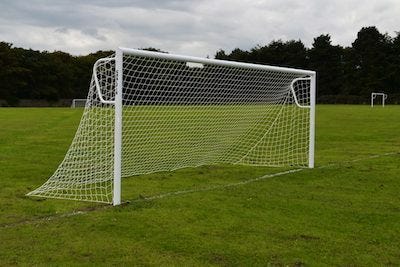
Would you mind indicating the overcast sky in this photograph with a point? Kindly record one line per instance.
(197, 27)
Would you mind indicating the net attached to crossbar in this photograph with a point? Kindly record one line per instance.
(180, 114)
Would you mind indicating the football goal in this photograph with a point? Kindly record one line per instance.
(78, 103)
(148, 112)
(375, 95)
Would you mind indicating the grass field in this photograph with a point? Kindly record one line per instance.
(346, 211)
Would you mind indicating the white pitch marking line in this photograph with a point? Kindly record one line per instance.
(188, 191)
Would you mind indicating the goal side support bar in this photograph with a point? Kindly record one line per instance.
(311, 106)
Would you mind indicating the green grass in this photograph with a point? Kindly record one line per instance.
(346, 213)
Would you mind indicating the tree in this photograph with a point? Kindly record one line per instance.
(290, 54)
(371, 52)
(393, 72)
(152, 49)
(221, 54)
(11, 74)
(326, 59)
(344, 74)
(239, 55)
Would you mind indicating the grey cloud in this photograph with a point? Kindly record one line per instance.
(94, 33)
(197, 28)
(61, 30)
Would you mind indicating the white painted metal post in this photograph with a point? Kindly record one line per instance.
(225, 63)
(312, 121)
(374, 95)
(383, 100)
(118, 127)
(372, 99)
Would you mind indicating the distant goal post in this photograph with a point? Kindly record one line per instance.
(375, 95)
(149, 112)
(78, 103)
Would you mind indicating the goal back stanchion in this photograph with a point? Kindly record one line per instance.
(78, 103)
(148, 112)
(374, 95)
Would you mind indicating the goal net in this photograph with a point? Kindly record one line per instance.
(148, 112)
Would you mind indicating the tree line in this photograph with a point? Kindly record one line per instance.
(30, 74)
(344, 74)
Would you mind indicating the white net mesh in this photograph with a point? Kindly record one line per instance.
(178, 114)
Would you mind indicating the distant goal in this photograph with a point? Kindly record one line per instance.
(148, 112)
(78, 103)
(374, 97)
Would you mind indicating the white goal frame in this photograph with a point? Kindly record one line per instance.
(269, 120)
(74, 101)
(374, 95)
(119, 90)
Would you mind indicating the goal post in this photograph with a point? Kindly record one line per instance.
(78, 103)
(148, 112)
(311, 151)
(118, 128)
(382, 95)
